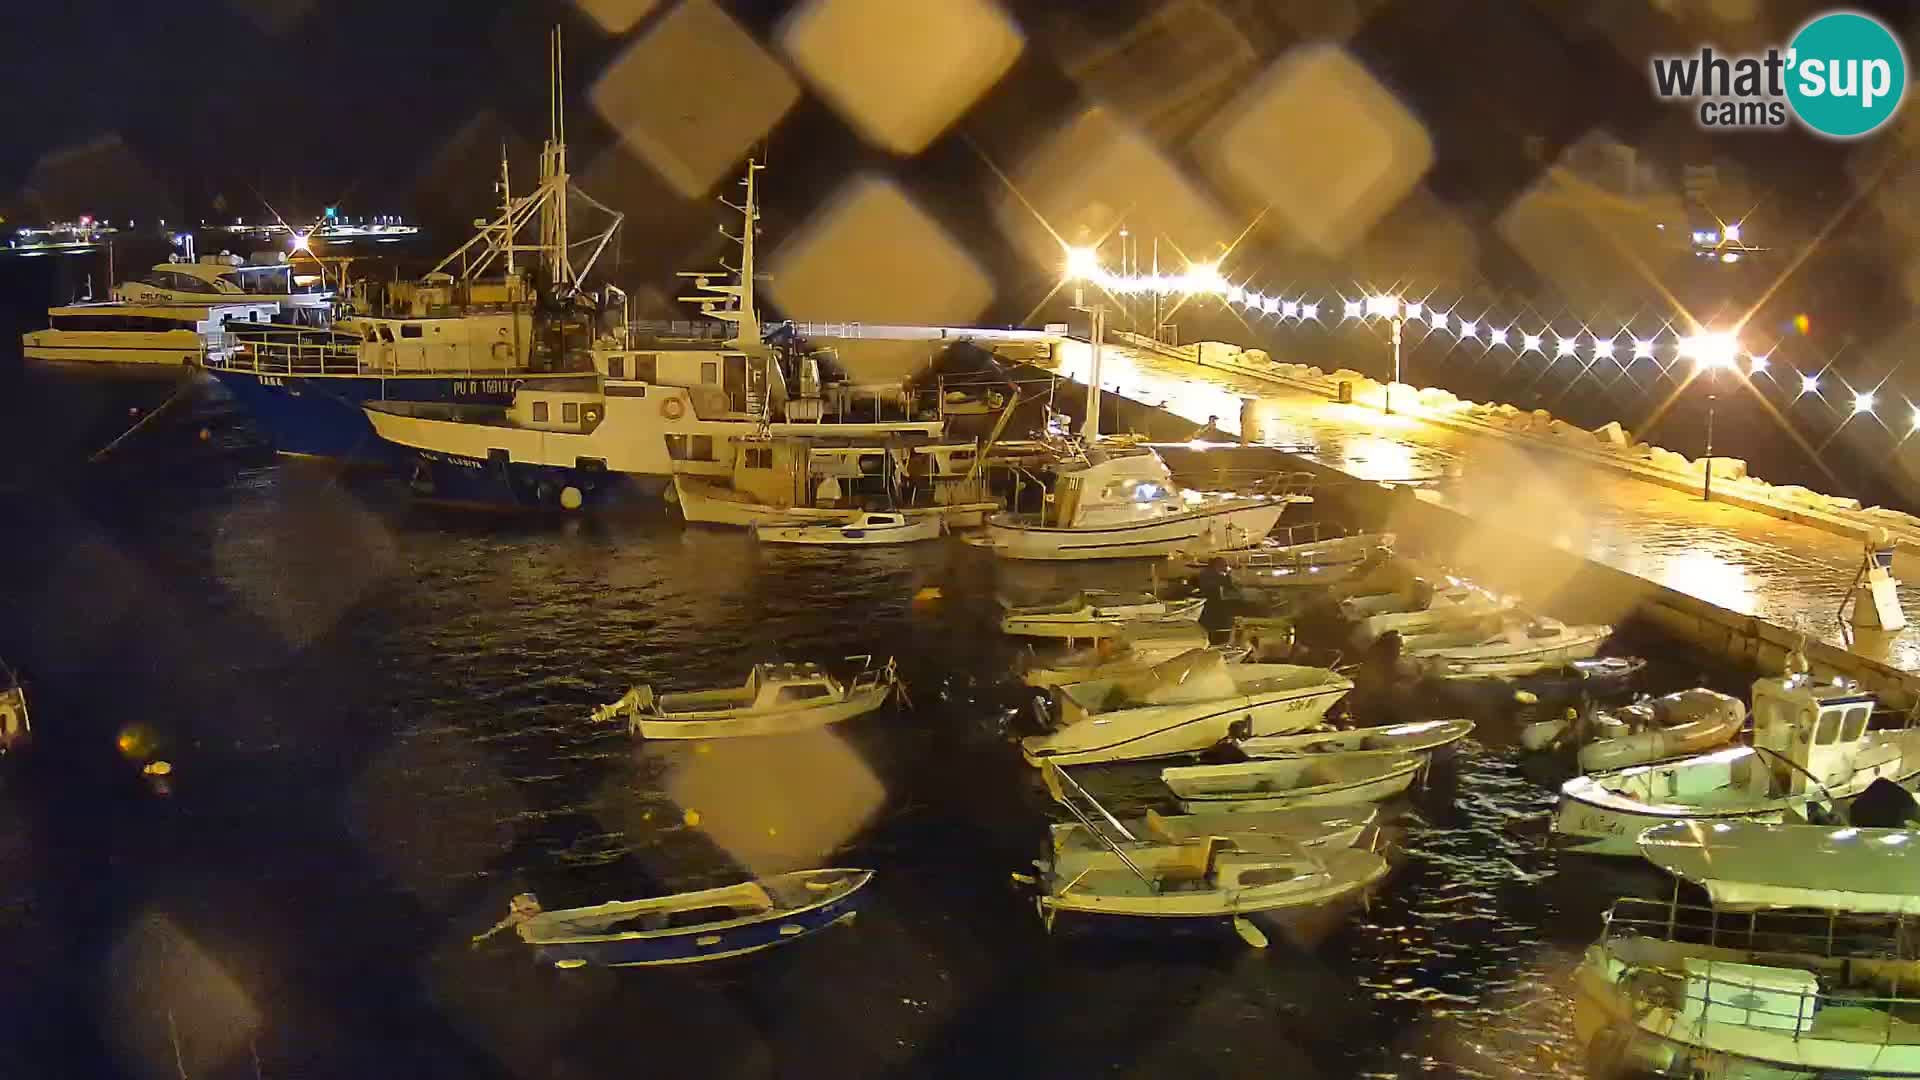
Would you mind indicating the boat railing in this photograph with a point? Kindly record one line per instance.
(1784, 939)
(297, 352)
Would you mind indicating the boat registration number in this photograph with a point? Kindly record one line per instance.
(1594, 823)
(272, 380)
(463, 387)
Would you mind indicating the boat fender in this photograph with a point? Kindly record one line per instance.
(673, 408)
(570, 498)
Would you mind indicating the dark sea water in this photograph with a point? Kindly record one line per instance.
(376, 715)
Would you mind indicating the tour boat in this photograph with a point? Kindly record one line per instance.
(689, 928)
(469, 334)
(1126, 877)
(158, 341)
(1538, 642)
(230, 279)
(864, 530)
(1674, 725)
(15, 727)
(1121, 502)
(1181, 706)
(1095, 613)
(1802, 965)
(1272, 783)
(1813, 753)
(1136, 648)
(776, 699)
(1417, 737)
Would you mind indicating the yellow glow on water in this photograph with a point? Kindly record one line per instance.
(1709, 578)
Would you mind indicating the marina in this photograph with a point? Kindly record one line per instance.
(899, 698)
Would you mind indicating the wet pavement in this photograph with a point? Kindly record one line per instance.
(1789, 575)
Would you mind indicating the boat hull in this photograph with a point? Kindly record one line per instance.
(1217, 529)
(1198, 799)
(1172, 732)
(1358, 871)
(928, 528)
(702, 945)
(520, 485)
(1097, 622)
(746, 724)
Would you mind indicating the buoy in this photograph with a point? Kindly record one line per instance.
(1249, 933)
(692, 818)
(158, 768)
(570, 498)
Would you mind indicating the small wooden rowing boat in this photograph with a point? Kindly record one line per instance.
(1421, 737)
(1275, 783)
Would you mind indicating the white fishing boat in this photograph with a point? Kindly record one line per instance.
(1467, 653)
(165, 340)
(1273, 783)
(1813, 753)
(1181, 706)
(692, 927)
(1119, 501)
(1135, 649)
(1802, 967)
(1418, 737)
(1227, 878)
(1095, 613)
(1672, 726)
(864, 530)
(15, 726)
(776, 699)
(1429, 610)
(1308, 826)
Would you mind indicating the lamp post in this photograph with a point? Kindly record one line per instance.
(1712, 351)
(1083, 263)
(1713, 388)
(1396, 313)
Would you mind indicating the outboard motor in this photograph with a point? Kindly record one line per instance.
(1884, 805)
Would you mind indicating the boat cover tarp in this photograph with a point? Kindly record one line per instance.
(1745, 864)
(1195, 675)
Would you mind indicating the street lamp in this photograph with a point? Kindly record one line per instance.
(1391, 308)
(1083, 264)
(1712, 351)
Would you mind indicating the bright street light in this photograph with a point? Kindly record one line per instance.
(1863, 401)
(1083, 263)
(1383, 305)
(1469, 328)
(1602, 349)
(1530, 342)
(1757, 362)
(1566, 346)
(1730, 232)
(1711, 350)
(1643, 350)
(1351, 309)
(1309, 311)
(1809, 384)
(1497, 335)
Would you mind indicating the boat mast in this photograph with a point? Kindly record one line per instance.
(740, 308)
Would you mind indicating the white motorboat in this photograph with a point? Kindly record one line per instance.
(230, 279)
(1308, 826)
(1272, 783)
(1095, 613)
(692, 927)
(1181, 706)
(1136, 648)
(1282, 565)
(1674, 725)
(865, 529)
(1812, 754)
(15, 726)
(1124, 876)
(165, 340)
(1418, 737)
(1538, 643)
(1430, 610)
(1803, 965)
(776, 699)
(1120, 502)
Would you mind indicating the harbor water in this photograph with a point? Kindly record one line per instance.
(375, 717)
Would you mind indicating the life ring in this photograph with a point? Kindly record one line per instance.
(673, 408)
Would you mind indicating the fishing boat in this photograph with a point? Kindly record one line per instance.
(1180, 706)
(1308, 826)
(1674, 725)
(1419, 737)
(1229, 879)
(1801, 965)
(1095, 613)
(1272, 783)
(1506, 645)
(1429, 610)
(1813, 753)
(16, 729)
(866, 529)
(1135, 649)
(693, 927)
(481, 324)
(1118, 501)
(776, 699)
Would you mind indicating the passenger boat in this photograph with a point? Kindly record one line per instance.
(1813, 753)
(1095, 613)
(469, 334)
(266, 278)
(1802, 965)
(1507, 646)
(1674, 725)
(1181, 706)
(693, 927)
(776, 699)
(1123, 876)
(1136, 648)
(163, 342)
(16, 728)
(1418, 737)
(1119, 501)
(864, 530)
(1273, 783)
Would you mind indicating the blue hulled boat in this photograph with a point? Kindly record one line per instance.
(689, 928)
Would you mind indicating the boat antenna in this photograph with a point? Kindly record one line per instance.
(740, 307)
